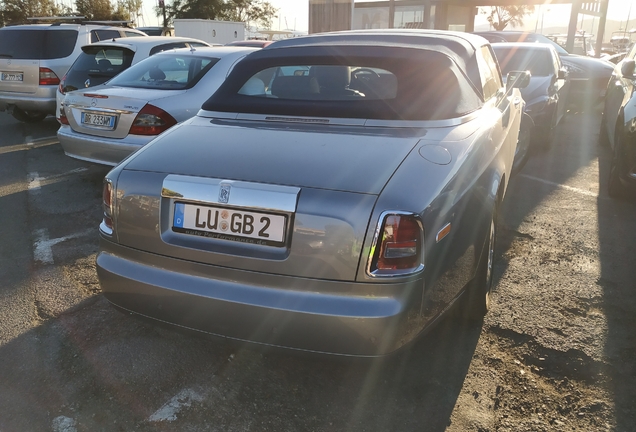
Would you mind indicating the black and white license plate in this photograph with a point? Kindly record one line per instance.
(101, 120)
(12, 76)
(230, 224)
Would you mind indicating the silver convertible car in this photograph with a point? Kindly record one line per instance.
(337, 194)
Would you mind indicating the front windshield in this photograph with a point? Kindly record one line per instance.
(165, 72)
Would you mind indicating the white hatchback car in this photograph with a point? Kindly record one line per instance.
(99, 62)
(109, 122)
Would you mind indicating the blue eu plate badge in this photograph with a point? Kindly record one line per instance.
(178, 215)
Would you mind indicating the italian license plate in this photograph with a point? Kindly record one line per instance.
(101, 120)
(12, 76)
(230, 224)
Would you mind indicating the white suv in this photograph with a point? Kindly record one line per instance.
(34, 57)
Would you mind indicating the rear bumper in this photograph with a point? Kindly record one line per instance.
(307, 314)
(105, 151)
(43, 100)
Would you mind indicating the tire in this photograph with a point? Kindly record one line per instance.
(615, 187)
(28, 116)
(545, 135)
(603, 139)
(476, 300)
(522, 154)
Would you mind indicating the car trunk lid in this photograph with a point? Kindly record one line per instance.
(19, 76)
(343, 158)
(110, 113)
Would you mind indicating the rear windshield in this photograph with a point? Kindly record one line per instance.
(96, 66)
(168, 72)
(32, 44)
(396, 84)
(538, 62)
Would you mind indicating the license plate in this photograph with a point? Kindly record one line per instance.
(101, 120)
(9, 76)
(230, 224)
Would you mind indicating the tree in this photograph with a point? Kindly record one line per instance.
(500, 16)
(95, 9)
(17, 11)
(259, 11)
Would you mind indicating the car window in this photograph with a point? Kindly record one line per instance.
(389, 84)
(132, 34)
(198, 44)
(37, 44)
(96, 65)
(490, 75)
(166, 47)
(538, 62)
(103, 34)
(166, 72)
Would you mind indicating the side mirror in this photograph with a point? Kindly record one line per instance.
(627, 68)
(563, 74)
(517, 79)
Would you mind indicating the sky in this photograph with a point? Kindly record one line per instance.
(293, 14)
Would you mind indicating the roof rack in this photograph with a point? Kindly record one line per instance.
(77, 19)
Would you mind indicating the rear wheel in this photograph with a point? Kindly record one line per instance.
(28, 116)
(545, 134)
(615, 187)
(476, 301)
(522, 153)
(603, 139)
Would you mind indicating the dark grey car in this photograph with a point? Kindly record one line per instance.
(338, 194)
(588, 76)
(546, 95)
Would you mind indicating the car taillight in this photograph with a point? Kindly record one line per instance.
(108, 200)
(62, 116)
(60, 88)
(151, 121)
(48, 77)
(398, 247)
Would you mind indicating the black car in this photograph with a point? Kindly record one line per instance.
(546, 95)
(589, 76)
(618, 126)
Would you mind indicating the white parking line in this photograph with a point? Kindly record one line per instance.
(43, 246)
(569, 188)
(34, 182)
(30, 144)
(169, 411)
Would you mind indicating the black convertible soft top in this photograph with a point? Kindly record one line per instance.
(432, 74)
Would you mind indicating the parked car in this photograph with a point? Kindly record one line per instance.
(255, 43)
(617, 126)
(33, 57)
(547, 93)
(342, 206)
(157, 31)
(111, 121)
(588, 76)
(99, 62)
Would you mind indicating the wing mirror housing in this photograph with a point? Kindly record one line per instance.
(563, 74)
(517, 79)
(628, 67)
